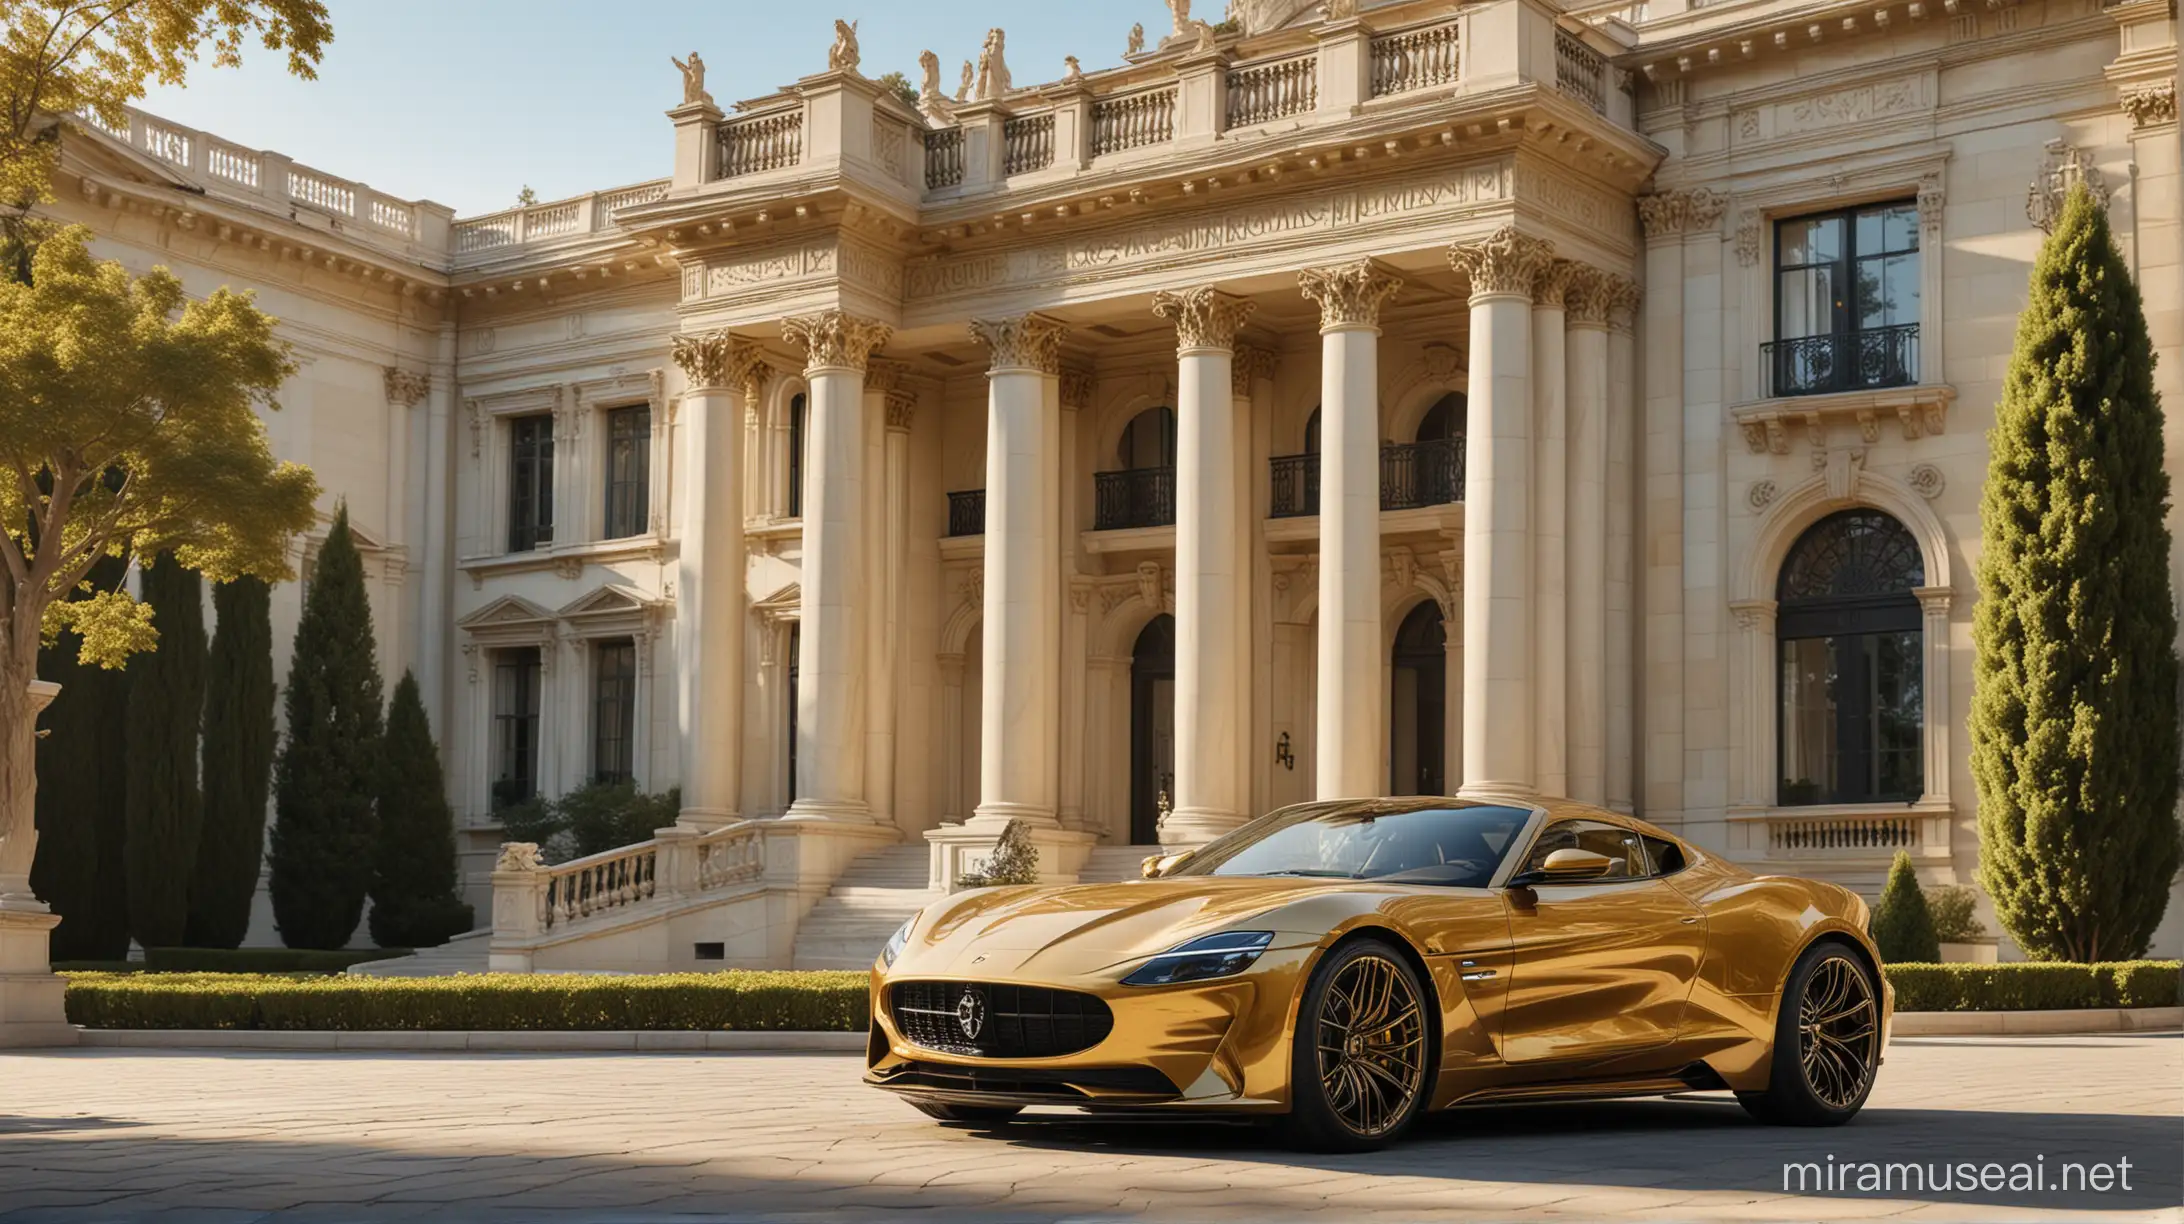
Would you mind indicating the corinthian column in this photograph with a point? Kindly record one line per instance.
(1352, 697)
(1591, 294)
(832, 648)
(1498, 681)
(719, 372)
(1020, 706)
(1209, 653)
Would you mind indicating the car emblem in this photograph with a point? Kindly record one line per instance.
(970, 1014)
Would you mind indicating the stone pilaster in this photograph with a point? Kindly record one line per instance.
(1586, 590)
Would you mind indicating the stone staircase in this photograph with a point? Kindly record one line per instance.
(462, 954)
(849, 925)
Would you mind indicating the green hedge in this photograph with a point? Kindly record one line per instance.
(261, 960)
(736, 999)
(2033, 986)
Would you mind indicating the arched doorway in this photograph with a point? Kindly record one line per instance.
(1850, 640)
(1418, 705)
(1152, 727)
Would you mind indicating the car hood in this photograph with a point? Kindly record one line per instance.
(1085, 928)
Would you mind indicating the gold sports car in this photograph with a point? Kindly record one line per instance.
(1340, 967)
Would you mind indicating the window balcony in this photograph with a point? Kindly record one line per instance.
(1852, 361)
(1134, 497)
(1412, 475)
(967, 513)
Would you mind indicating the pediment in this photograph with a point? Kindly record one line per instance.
(612, 599)
(507, 612)
(784, 604)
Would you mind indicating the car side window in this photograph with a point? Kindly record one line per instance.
(1667, 857)
(1624, 848)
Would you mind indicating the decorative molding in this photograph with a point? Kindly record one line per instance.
(1750, 237)
(1441, 360)
(1204, 317)
(1504, 262)
(885, 374)
(1351, 294)
(2065, 166)
(902, 408)
(476, 412)
(706, 359)
(2151, 104)
(1926, 480)
(1932, 199)
(836, 340)
(1761, 495)
(1668, 214)
(1077, 385)
(1026, 342)
(407, 387)
(1590, 296)
(1624, 300)
(1251, 364)
(1919, 411)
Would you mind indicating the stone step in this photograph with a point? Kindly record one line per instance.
(465, 953)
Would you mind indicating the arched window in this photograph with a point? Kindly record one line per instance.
(1848, 632)
(1311, 434)
(1444, 420)
(1148, 441)
(1142, 492)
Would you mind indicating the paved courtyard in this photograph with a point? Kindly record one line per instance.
(126, 1135)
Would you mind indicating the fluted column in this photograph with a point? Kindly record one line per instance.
(1209, 656)
(1352, 709)
(1498, 606)
(1589, 296)
(1623, 517)
(720, 373)
(1550, 530)
(832, 647)
(1022, 627)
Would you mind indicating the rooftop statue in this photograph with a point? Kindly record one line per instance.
(693, 79)
(1071, 69)
(1180, 10)
(843, 56)
(963, 91)
(993, 70)
(932, 103)
(1137, 39)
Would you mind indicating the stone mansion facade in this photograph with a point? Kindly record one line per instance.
(1353, 398)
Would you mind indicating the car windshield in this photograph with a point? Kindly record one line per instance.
(1455, 845)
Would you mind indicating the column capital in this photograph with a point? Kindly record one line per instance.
(902, 408)
(1077, 387)
(1205, 317)
(1754, 615)
(1625, 298)
(885, 374)
(1252, 364)
(1672, 214)
(1933, 600)
(1504, 263)
(1030, 342)
(1551, 289)
(834, 340)
(1350, 295)
(710, 360)
(1590, 298)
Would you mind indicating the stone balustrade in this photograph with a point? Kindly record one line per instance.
(1027, 143)
(478, 237)
(1274, 89)
(1418, 58)
(532, 901)
(1580, 71)
(1133, 120)
(754, 144)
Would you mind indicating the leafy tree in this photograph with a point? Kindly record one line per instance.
(60, 57)
(238, 755)
(1902, 925)
(2074, 702)
(899, 85)
(592, 819)
(126, 427)
(326, 778)
(81, 799)
(166, 710)
(526, 197)
(414, 885)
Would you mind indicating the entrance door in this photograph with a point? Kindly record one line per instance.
(1152, 728)
(1418, 705)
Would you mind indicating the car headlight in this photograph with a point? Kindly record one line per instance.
(1209, 956)
(897, 941)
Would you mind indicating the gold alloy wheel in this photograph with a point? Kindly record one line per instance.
(1372, 1045)
(1838, 1028)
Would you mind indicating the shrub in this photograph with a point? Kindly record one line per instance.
(414, 878)
(1902, 927)
(1952, 906)
(2033, 985)
(589, 820)
(166, 709)
(732, 1000)
(238, 756)
(261, 960)
(81, 806)
(1015, 861)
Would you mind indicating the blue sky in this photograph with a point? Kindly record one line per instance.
(467, 101)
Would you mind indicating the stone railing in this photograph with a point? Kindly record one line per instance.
(1580, 71)
(943, 158)
(1027, 143)
(754, 144)
(1417, 58)
(1882, 834)
(534, 901)
(1259, 93)
(585, 214)
(1133, 120)
(575, 891)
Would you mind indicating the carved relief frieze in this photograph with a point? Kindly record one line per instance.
(1204, 317)
(407, 387)
(1857, 104)
(2151, 104)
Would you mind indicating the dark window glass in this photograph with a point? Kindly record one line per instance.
(1850, 643)
(530, 482)
(1312, 434)
(1457, 845)
(1846, 300)
(1148, 441)
(1142, 493)
(614, 711)
(515, 725)
(1624, 848)
(1667, 857)
(796, 642)
(629, 471)
(797, 413)
(1444, 420)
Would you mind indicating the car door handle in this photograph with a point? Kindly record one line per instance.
(1690, 920)
(1478, 975)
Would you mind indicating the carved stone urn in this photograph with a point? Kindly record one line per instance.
(32, 1008)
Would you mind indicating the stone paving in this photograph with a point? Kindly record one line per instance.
(128, 1135)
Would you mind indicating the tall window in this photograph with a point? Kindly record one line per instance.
(1850, 642)
(515, 725)
(797, 412)
(1846, 300)
(629, 470)
(796, 643)
(1142, 492)
(614, 711)
(530, 482)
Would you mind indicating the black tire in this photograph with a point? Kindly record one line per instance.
(982, 1115)
(1827, 1041)
(1355, 1089)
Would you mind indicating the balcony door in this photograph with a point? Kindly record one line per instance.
(1846, 301)
(1141, 493)
(1418, 705)
(1152, 728)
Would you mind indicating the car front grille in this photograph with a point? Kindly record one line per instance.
(998, 1020)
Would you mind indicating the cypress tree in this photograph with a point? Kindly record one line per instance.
(238, 763)
(80, 803)
(327, 773)
(2074, 705)
(166, 708)
(414, 899)
(1903, 927)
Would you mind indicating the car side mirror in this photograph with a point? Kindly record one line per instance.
(1157, 865)
(1566, 866)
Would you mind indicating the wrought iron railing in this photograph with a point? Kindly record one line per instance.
(1135, 497)
(1414, 474)
(943, 158)
(1296, 486)
(967, 513)
(1850, 361)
